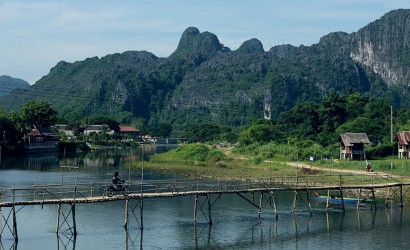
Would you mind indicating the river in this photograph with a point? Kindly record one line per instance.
(168, 222)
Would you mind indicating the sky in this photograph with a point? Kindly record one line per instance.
(37, 34)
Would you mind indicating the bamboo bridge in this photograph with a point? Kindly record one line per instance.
(263, 191)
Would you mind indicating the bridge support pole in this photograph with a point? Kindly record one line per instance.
(308, 201)
(209, 208)
(343, 202)
(73, 216)
(327, 200)
(295, 202)
(341, 194)
(72, 228)
(15, 235)
(374, 199)
(203, 204)
(195, 208)
(401, 196)
(126, 214)
(141, 215)
(5, 223)
(130, 212)
(260, 206)
(273, 200)
(58, 217)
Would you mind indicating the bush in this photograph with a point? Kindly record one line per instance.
(381, 150)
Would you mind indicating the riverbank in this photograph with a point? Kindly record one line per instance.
(202, 161)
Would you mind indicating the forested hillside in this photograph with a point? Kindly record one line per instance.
(7, 84)
(204, 82)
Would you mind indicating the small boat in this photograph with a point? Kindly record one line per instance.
(337, 200)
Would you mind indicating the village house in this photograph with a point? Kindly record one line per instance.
(62, 129)
(41, 140)
(352, 146)
(99, 129)
(404, 142)
(129, 131)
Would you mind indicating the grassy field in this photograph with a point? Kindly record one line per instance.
(391, 165)
(203, 161)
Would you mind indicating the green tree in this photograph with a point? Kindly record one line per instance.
(125, 117)
(162, 130)
(355, 104)
(38, 113)
(9, 135)
(203, 132)
(258, 133)
(378, 112)
(100, 120)
(301, 122)
(332, 113)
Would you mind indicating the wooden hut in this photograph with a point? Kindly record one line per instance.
(41, 140)
(352, 146)
(404, 142)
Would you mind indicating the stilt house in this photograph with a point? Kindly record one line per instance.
(41, 140)
(352, 146)
(404, 144)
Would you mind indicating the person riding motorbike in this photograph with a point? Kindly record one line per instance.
(117, 186)
(116, 181)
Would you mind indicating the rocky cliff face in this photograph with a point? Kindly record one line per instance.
(384, 47)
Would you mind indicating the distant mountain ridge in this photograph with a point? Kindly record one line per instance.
(7, 84)
(205, 82)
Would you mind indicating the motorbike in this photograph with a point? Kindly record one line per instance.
(120, 187)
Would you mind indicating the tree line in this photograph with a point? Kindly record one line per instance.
(306, 124)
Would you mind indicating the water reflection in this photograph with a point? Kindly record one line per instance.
(291, 230)
(13, 246)
(96, 160)
(66, 241)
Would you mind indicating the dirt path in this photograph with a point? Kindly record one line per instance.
(351, 171)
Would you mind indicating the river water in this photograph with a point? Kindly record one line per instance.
(168, 222)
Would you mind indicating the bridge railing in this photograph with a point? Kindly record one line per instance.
(57, 192)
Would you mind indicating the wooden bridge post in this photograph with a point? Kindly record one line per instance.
(58, 217)
(343, 202)
(15, 235)
(295, 201)
(386, 201)
(260, 206)
(327, 200)
(141, 214)
(308, 200)
(307, 196)
(341, 194)
(130, 212)
(374, 199)
(401, 196)
(73, 216)
(273, 199)
(195, 207)
(126, 214)
(209, 208)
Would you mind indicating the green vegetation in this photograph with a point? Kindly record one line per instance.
(200, 160)
(221, 163)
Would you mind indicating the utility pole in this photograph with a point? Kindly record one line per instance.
(391, 123)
